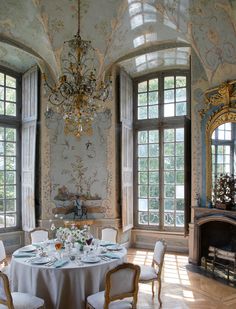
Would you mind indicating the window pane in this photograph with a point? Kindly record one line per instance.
(169, 149)
(153, 98)
(10, 191)
(10, 81)
(169, 218)
(143, 178)
(11, 205)
(10, 94)
(10, 134)
(143, 204)
(181, 94)
(142, 99)
(154, 203)
(169, 177)
(142, 150)
(180, 81)
(10, 149)
(10, 177)
(169, 135)
(153, 112)
(169, 204)
(169, 190)
(1, 93)
(153, 150)
(1, 79)
(169, 110)
(169, 163)
(2, 108)
(10, 109)
(2, 206)
(10, 220)
(153, 218)
(153, 177)
(180, 135)
(142, 113)
(180, 109)
(142, 87)
(169, 96)
(143, 218)
(142, 164)
(153, 84)
(153, 191)
(169, 82)
(153, 136)
(153, 164)
(142, 137)
(10, 163)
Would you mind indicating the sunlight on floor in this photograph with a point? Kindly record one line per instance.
(181, 288)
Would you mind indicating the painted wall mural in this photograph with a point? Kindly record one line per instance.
(117, 29)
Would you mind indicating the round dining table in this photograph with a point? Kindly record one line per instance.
(66, 287)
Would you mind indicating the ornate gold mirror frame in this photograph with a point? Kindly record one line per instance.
(223, 96)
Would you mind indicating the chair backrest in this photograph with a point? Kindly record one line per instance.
(2, 252)
(122, 282)
(159, 253)
(109, 234)
(5, 293)
(38, 235)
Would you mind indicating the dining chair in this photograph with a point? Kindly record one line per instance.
(3, 259)
(109, 234)
(17, 300)
(153, 273)
(38, 235)
(121, 289)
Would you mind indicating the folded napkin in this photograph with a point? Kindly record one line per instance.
(23, 254)
(111, 255)
(103, 244)
(60, 263)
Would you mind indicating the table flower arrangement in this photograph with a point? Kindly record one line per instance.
(73, 235)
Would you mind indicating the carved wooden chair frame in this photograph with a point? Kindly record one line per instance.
(37, 229)
(160, 266)
(112, 228)
(133, 294)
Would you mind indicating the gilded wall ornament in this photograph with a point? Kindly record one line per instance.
(223, 95)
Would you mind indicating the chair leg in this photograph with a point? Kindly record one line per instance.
(152, 289)
(159, 293)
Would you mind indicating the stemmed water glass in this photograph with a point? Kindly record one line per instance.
(58, 247)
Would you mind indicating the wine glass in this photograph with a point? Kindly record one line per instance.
(58, 247)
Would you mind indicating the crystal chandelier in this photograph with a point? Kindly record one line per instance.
(79, 94)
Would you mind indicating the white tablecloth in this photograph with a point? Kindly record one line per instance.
(61, 288)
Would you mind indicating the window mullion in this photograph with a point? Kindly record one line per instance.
(161, 177)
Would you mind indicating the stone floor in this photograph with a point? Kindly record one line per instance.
(182, 288)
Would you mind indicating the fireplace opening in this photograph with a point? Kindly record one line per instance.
(218, 234)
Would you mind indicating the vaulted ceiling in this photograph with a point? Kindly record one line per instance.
(141, 35)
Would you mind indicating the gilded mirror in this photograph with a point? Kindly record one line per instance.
(220, 129)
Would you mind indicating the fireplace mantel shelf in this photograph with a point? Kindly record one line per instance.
(200, 212)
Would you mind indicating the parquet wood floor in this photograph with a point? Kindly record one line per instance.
(182, 288)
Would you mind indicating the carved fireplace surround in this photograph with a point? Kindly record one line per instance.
(211, 226)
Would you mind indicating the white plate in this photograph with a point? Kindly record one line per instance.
(91, 259)
(114, 248)
(40, 260)
(29, 248)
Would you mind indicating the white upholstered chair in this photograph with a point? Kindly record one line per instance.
(109, 234)
(3, 259)
(38, 235)
(153, 273)
(17, 300)
(121, 289)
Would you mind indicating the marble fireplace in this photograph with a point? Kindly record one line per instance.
(211, 227)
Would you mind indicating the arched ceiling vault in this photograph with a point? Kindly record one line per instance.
(118, 28)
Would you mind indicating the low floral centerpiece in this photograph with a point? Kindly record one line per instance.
(73, 235)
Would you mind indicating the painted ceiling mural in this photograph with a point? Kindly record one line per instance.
(120, 27)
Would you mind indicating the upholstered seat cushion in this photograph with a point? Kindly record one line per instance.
(148, 273)
(25, 301)
(97, 302)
